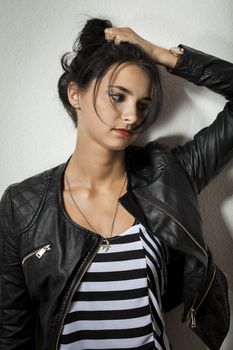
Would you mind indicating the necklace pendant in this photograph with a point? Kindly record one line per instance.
(106, 245)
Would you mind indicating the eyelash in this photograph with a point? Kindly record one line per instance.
(113, 97)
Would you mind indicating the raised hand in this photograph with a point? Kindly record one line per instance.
(159, 54)
(127, 34)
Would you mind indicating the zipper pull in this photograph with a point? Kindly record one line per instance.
(192, 318)
(41, 252)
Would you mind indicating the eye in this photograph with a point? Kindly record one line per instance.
(117, 97)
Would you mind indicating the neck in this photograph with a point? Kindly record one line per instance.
(94, 166)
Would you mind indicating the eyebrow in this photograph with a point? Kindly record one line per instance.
(147, 98)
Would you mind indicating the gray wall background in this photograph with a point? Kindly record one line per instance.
(35, 133)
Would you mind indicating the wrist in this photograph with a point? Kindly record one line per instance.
(165, 58)
(160, 55)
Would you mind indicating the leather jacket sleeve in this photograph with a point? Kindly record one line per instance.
(212, 147)
(16, 311)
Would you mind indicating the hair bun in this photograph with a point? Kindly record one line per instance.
(93, 34)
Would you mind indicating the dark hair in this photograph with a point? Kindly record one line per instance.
(93, 55)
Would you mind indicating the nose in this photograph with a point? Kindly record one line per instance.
(130, 116)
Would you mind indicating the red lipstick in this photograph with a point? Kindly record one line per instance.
(123, 132)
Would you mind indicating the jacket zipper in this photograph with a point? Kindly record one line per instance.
(191, 316)
(73, 291)
(38, 252)
(177, 221)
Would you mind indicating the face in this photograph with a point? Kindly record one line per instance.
(122, 102)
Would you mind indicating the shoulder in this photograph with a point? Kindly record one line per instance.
(152, 154)
(145, 164)
(21, 201)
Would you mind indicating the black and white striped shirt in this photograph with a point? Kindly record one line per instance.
(118, 303)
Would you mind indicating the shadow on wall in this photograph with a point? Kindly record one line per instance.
(218, 236)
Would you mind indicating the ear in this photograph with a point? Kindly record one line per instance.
(73, 94)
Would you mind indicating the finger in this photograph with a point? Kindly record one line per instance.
(109, 35)
(108, 32)
(117, 40)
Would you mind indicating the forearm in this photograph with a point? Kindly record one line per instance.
(212, 147)
(206, 70)
(160, 55)
(196, 66)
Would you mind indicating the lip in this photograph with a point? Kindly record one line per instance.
(123, 132)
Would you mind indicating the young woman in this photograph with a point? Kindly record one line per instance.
(95, 250)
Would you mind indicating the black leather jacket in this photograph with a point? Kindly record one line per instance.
(44, 254)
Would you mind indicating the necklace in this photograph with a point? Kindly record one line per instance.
(106, 244)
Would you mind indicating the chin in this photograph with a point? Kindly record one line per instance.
(118, 143)
(119, 146)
